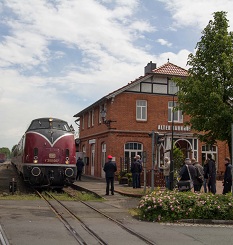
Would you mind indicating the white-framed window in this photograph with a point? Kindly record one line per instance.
(172, 88)
(178, 115)
(131, 150)
(83, 121)
(89, 120)
(101, 108)
(213, 150)
(84, 149)
(103, 154)
(92, 117)
(93, 155)
(141, 110)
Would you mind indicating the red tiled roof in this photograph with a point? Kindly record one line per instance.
(171, 69)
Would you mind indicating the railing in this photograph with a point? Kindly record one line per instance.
(159, 181)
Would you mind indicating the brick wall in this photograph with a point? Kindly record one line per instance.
(123, 111)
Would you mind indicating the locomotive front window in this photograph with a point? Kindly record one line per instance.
(47, 124)
(39, 124)
(61, 125)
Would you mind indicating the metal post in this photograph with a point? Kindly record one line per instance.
(153, 161)
(144, 167)
(171, 177)
(232, 156)
(144, 184)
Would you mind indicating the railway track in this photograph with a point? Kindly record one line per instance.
(58, 208)
(120, 224)
(84, 231)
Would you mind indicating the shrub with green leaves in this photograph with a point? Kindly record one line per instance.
(174, 205)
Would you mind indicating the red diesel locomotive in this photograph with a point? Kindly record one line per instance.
(46, 154)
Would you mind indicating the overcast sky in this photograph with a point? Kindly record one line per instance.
(59, 56)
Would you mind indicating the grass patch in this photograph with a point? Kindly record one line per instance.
(61, 196)
(18, 196)
(134, 212)
(85, 196)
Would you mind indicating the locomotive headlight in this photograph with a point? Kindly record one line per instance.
(67, 160)
(35, 159)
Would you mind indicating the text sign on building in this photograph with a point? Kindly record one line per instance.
(175, 128)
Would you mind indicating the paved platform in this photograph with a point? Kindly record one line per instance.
(98, 186)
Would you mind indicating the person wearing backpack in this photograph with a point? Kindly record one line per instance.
(199, 178)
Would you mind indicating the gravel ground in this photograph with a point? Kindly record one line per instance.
(8, 173)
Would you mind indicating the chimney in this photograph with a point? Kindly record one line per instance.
(149, 67)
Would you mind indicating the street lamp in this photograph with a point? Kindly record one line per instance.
(171, 177)
(105, 121)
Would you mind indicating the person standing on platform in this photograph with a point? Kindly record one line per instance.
(138, 158)
(227, 181)
(136, 169)
(187, 172)
(80, 165)
(166, 172)
(211, 173)
(199, 179)
(206, 184)
(110, 168)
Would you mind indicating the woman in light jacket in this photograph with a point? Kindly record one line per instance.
(166, 172)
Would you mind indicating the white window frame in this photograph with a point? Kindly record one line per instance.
(89, 120)
(92, 117)
(141, 110)
(213, 150)
(103, 157)
(101, 107)
(172, 88)
(83, 121)
(178, 115)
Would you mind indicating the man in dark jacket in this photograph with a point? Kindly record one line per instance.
(136, 169)
(79, 165)
(110, 168)
(211, 170)
(227, 182)
(188, 171)
(199, 179)
(206, 177)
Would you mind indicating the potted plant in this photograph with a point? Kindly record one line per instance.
(130, 178)
(122, 178)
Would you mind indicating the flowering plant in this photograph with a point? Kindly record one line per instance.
(173, 205)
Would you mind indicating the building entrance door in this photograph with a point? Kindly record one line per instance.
(131, 150)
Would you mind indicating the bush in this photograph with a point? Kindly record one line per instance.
(174, 205)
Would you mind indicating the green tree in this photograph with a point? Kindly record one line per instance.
(207, 94)
(6, 151)
(13, 148)
(178, 158)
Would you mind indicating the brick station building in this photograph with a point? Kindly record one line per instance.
(120, 122)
